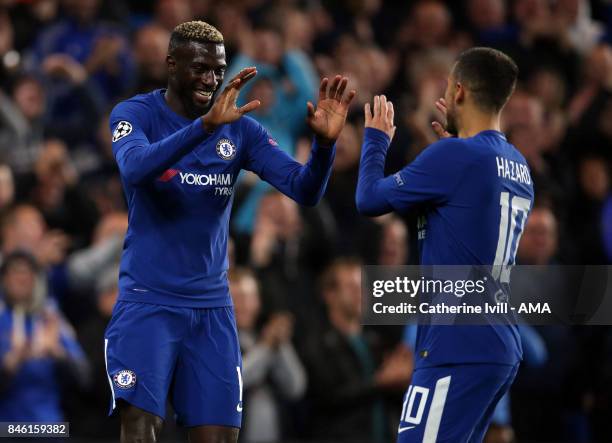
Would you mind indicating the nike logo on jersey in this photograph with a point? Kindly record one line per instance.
(405, 428)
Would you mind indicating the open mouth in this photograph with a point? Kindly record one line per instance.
(203, 96)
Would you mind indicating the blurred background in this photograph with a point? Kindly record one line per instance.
(311, 371)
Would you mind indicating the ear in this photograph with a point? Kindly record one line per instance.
(459, 93)
(171, 63)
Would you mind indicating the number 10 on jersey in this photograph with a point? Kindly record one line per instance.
(512, 219)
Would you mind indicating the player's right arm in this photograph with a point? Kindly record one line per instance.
(430, 178)
(140, 160)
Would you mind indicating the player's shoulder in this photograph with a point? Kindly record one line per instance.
(134, 106)
(249, 129)
(248, 124)
(446, 149)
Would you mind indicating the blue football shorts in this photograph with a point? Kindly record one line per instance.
(453, 404)
(189, 356)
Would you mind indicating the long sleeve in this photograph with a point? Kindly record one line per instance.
(369, 198)
(85, 266)
(138, 159)
(305, 184)
(255, 365)
(431, 178)
(288, 372)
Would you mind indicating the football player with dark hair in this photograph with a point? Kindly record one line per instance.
(474, 191)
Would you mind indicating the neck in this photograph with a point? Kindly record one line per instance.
(478, 122)
(174, 102)
(344, 324)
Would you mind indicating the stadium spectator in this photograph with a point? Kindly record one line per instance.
(356, 233)
(22, 129)
(150, 47)
(428, 26)
(488, 19)
(102, 50)
(348, 377)
(272, 373)
(7, 187)
(287, 249)
(23, 228)
(169, 13)
(539, 241)
(285, 81)
(39, 352)
(56, 193)
(586, 228)
(394, 246)
(91, 420)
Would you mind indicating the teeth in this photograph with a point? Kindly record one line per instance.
(204, 93)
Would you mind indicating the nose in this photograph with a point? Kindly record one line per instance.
(208, 78)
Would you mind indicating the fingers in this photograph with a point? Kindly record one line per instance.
(248, 74)
(250, 106)
(333, 90)
(439, 130)
(383, 106)
(341, 88)
(336, 90)
(346, 101)
(390, 112)
(437, 127)
(368, 114)
(383, 116)
(323, 89)
(311, 109)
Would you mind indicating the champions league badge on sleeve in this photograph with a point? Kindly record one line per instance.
(226, 149)
(123, 128)
(124, 379)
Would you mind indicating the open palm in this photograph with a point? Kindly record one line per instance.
(224, 109)
(328, 118)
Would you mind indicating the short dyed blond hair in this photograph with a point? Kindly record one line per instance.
(195, 31)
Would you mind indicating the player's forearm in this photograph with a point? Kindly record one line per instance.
(139, 162)
(369, 197)
(314, 175)
(305, 184)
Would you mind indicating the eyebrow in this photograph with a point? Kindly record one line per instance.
(204, 63)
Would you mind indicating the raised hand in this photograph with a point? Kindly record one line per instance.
(329, 116)
(382, 119)
(440, 127)
(224, 110)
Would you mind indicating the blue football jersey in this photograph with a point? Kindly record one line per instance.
(179, 182)
(474, 195)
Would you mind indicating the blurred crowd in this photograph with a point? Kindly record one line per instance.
(311, 371)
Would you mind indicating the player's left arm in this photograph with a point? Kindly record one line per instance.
(303, 183)
(430, 178)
